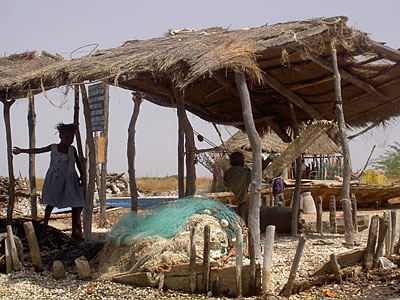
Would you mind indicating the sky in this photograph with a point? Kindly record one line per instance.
(63, 26)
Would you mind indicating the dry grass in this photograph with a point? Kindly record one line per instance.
(155, 184)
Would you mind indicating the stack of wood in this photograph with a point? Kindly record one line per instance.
(116, 183)
(21, 188)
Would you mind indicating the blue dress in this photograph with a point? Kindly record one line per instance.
(61, 188)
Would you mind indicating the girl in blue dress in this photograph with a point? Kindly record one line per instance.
(62, 187)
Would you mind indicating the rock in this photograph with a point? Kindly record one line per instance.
(83, 268)
(58, 270)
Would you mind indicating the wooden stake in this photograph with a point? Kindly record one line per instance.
(393, 235)
(206, 261)
(88, 208)
(32, 144)
(348, 226)
(11, 186)
(386, 215)
(181, 149)
(287, 290)
(319, 214)
(131, 150)
(256, 172)
(7, 254)
(383, 226)
(354, 211)
(336, 268)
(268, 250)
(332, 215)
(252, 280)
(239, 261)
(370, 249)
(33, 246)
(342, 127)
(13, 249)
(193, 273)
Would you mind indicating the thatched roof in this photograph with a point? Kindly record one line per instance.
(294, 55)
(271, 142)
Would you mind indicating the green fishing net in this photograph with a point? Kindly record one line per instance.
(166, 220)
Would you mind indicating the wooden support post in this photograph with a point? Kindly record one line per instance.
(341, 126)
(252, 280)
(193, 273)
(256, 172)
(181, 149)
(336, 268)
(297, 188)
(383, 227)
(8, 257)
(386, 215)
(287, 289)
(88, 208)
(370, 249)
(393, 235)
(11, 186)
(32, 144)
(319, 214)
(348, 223)
(103, 174)
(332, 214)
(354, 211)
(13, 249)
(239, 261)
(206, 261)
(131, 150)
(33, 246)
(268, 250)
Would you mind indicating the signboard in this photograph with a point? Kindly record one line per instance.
(97, 96)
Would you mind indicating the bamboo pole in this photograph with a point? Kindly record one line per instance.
(332, 214)
(256, 172)
(13, 249)
(287, 290)
(193, 273)
(206, 261)
(239, 261)
(88, 208)
(33, 246)
(319, 214)
(371, 243)
(354, 211)
(336, 268)
(131, 150)
(11, 187)
(32, 144)
(268, 251)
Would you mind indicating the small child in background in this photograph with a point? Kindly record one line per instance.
(278, 186)
(62, 188)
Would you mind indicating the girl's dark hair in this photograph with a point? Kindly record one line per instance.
(63, 128)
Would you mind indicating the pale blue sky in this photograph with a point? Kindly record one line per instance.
(62, 26)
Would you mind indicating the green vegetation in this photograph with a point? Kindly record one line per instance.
(389, 162)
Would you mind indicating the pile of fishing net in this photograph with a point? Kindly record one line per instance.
(161, 239)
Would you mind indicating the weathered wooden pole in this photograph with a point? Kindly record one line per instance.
(388, 241)
(32, 144)
(11, 187)
(393, 215)
(239, 261)
(336, 268)
(8, 257)
(181, 145)
(13, 249)
(268, 250)
(193, 272)
(371, 243)
(383, 227)
(319, 214)
(332, 214)
(345, 147)
(206, 261)
(33, 246)
(88, 208)
(103, 174)
(354, 211)
(297, 188)
(287, 289)
(256, 172)
(131, 150)
(253, 268)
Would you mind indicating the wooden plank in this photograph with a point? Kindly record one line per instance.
(343, 259)
(33, 246)
(392, 54)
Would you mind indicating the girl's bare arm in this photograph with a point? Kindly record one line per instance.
(17, 150)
